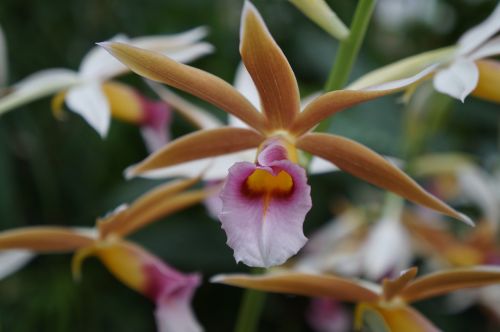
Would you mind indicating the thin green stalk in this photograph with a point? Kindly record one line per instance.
(348, 51)
(250, 309)
(349, 47)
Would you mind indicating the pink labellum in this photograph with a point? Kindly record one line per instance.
(172, 292)
(264, 207)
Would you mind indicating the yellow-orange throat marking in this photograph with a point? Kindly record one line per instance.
(263, 182)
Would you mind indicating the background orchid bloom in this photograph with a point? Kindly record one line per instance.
(274, 188)
(356, 244)
(89, 93)
(457, 71)
(390, 301)
(140, 270)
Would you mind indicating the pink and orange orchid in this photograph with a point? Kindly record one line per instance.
(390, 301)
(140, 270)
(264, 203)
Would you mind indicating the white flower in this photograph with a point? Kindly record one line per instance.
(84, 93)
(454, 69)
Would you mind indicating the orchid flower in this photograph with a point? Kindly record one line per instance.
(389, 302)
(457, 71)
(140, 270)
(91, 93)
(265, 203)
(355, 244)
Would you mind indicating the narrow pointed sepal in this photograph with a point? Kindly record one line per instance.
(198, 145)
(270, 70)
(366, 164)
(160, 68)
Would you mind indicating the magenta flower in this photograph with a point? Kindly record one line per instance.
(264, 204)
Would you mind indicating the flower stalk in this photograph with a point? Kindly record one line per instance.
(348, 51)
(252, 304)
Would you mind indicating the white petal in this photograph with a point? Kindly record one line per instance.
(190, 53)
(480, 33)
(201, 118)
(211, 168)
(183, 47)
(478, 187)
(491, 48)
(404, 82)
(458, 80)
(38, 85)
(89, 101)
(98, 64)
(387, 248)
(244, 84)
(319, 166)
(13, 260)
(170, 41)
(4, 69)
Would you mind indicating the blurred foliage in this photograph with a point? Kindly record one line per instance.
(62, 173)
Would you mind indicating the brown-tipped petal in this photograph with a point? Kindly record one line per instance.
(270, 70)
(140, 218)
(329, 104)
(141, 205)
(366, 164)
(198, 145)
(160, 68)
(392, 287)
(489, 80)
(337, 288)
(44, 239)
(448, 281)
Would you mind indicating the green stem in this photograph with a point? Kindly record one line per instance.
(348, 51)
(349, 47)
(250, 309)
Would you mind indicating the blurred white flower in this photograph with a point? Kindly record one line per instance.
(83, 90)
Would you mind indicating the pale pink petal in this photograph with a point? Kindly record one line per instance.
(155, 129)
(89, 101)
(458, 80)
(213, 203)
(172, 293)
(328, 315)
(473, 38)
(265, 231)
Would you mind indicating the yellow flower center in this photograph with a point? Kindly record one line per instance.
(262, 182)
